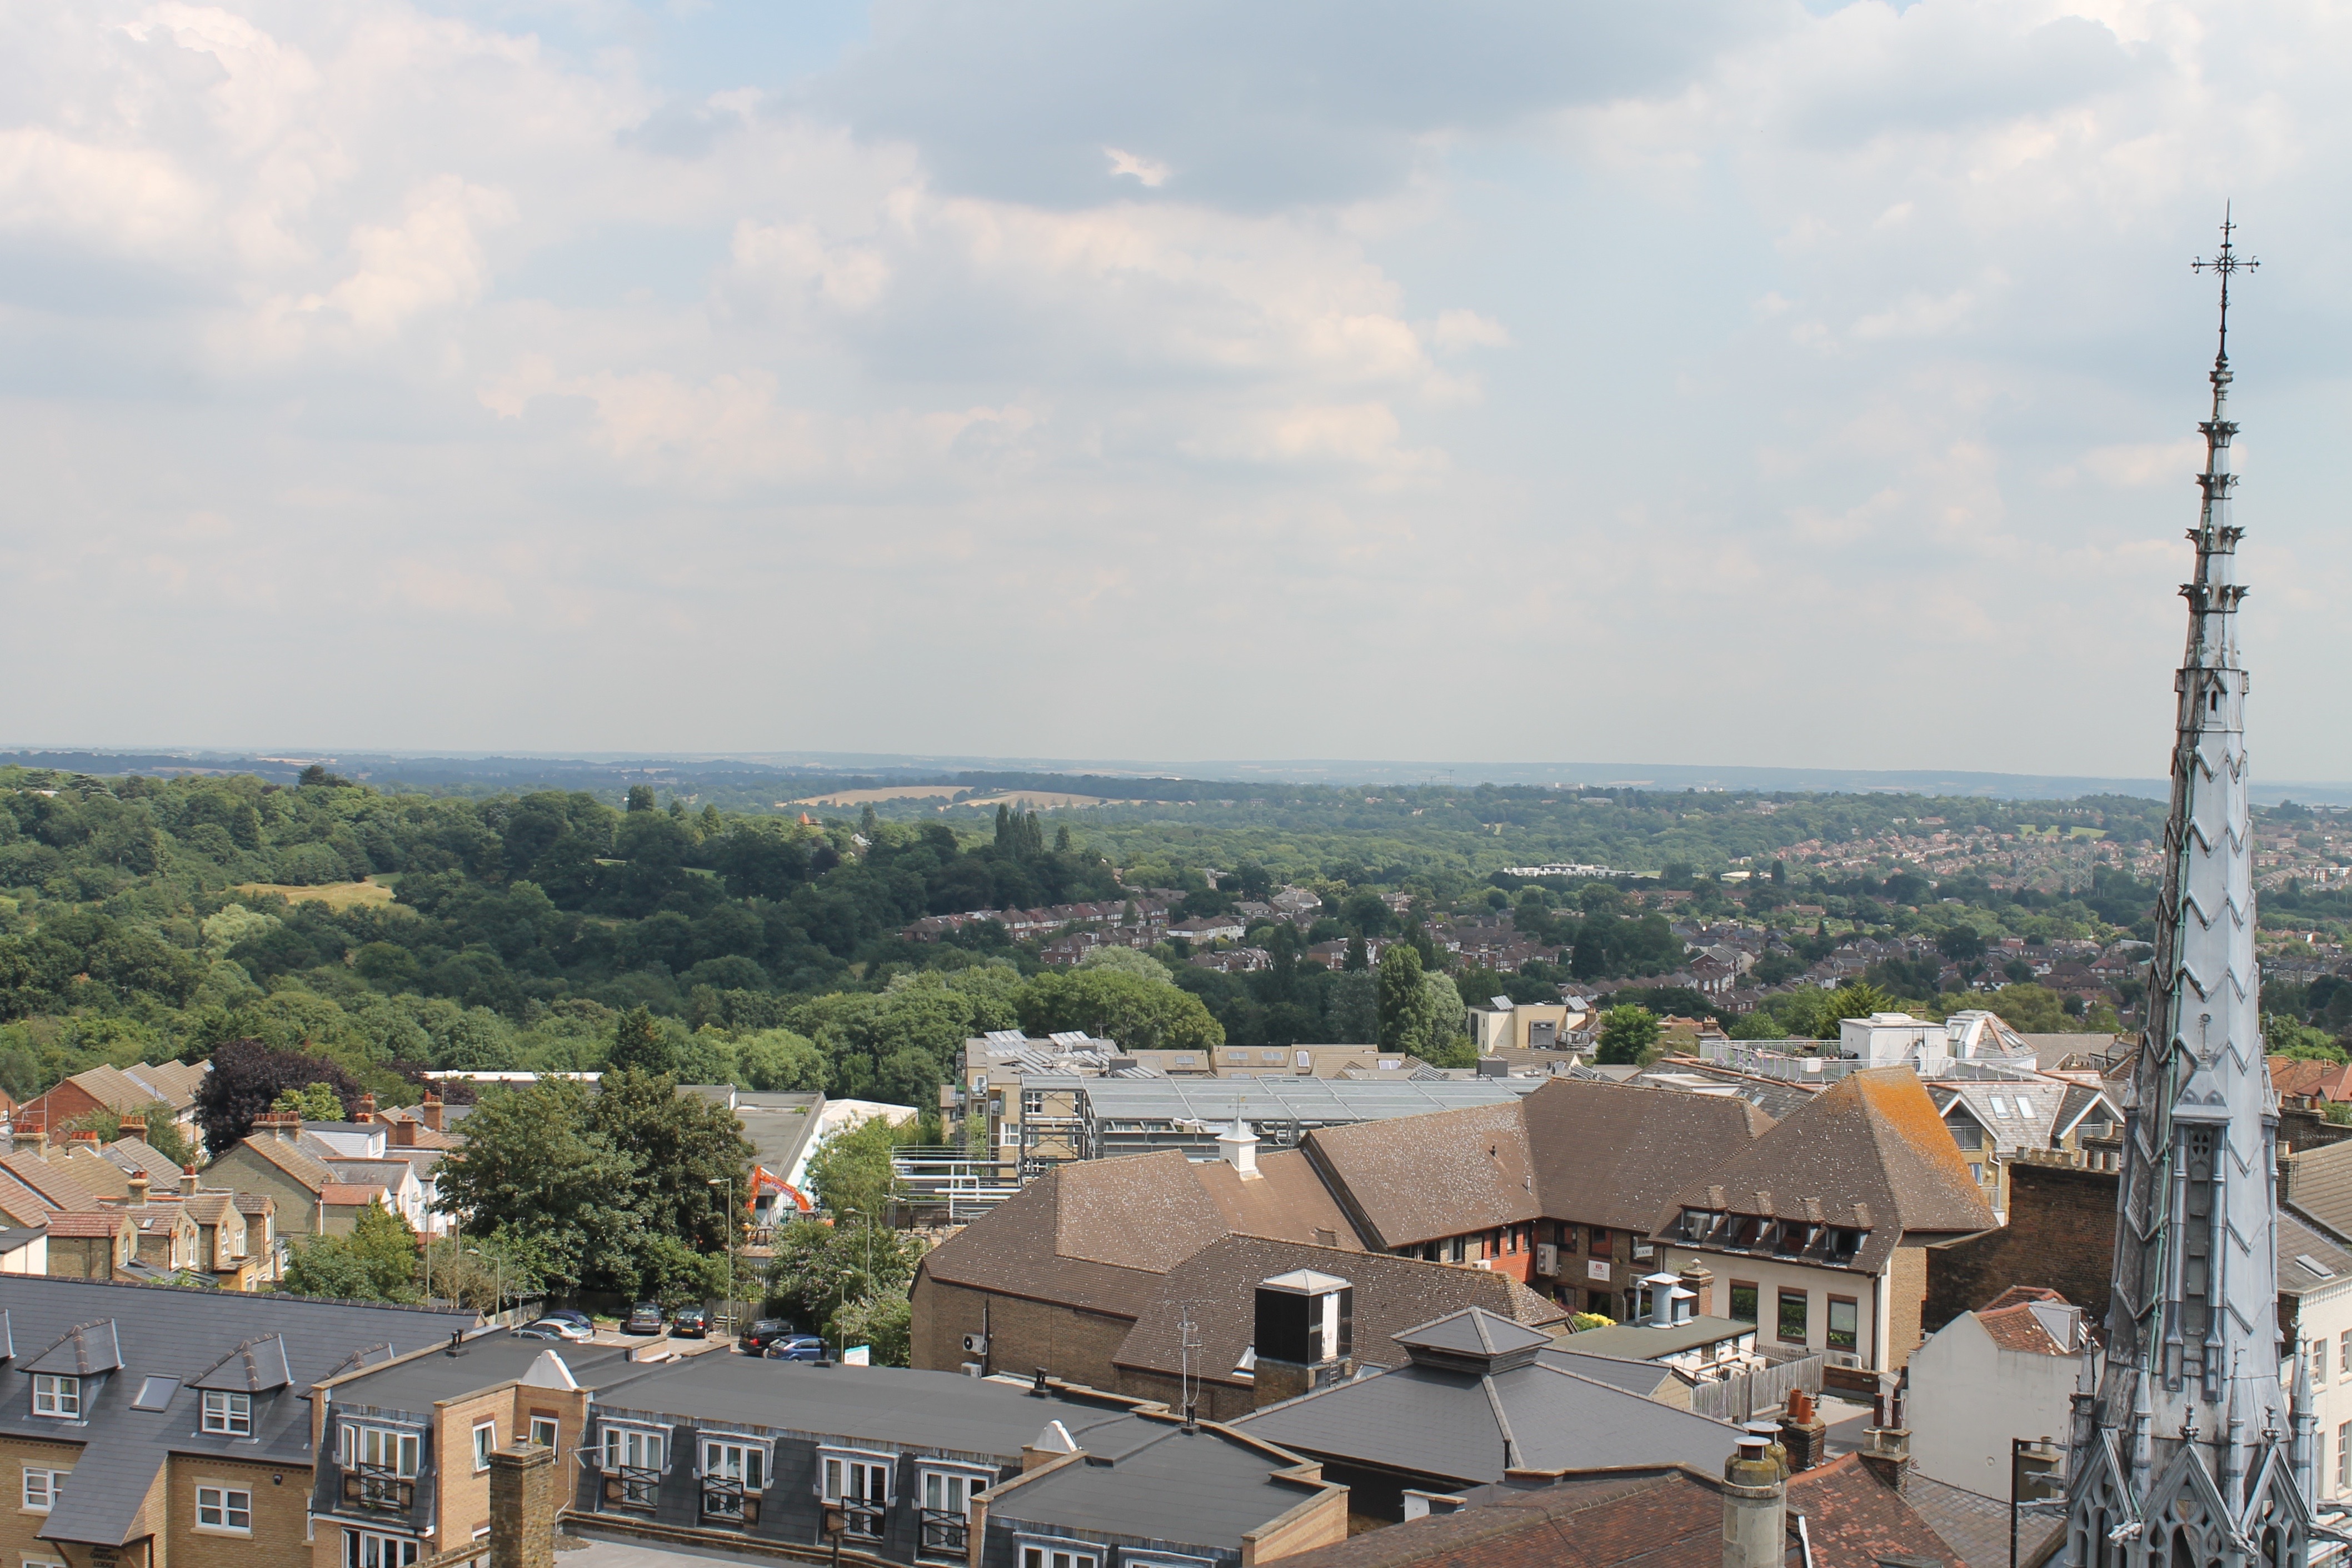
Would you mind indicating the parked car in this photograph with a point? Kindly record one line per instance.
(690, 1322)
(570, 1315)
(756, 1339)
(795, 1347)
(645, 1318)
(555, 1329)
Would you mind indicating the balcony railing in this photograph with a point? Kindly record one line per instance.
(633, 1486)
(864, 1520)
(378, 1486)
(945, 1534)
(724, 1498)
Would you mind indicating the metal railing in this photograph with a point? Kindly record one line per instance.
(944, 1534)
(378, 1486)
(633, 1486)
(965, 1184)
(863, 1520)
(725, 1497)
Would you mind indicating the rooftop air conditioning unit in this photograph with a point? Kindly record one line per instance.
(975, 1344)
(1546, 1258)
(974, 1369)
(1841, 1358)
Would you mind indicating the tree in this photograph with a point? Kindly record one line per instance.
(311, 1102)
(851, 1172)
(1357, 958)
(639, 1044)
(884, 1324)
(2030, 1009)
(641, 797)
(246, 1078)
(162, 1133)
(677, 1146)
(1854, 999)
(1138, 1013)
(1405, 1015)
(533, 1167)
(820, 1267)
(1127, 961)
(1626, 1035)
(779, 1059)
(376, 1262)
(1960, 944)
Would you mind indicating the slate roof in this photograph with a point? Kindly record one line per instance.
(1975, 1527)
(1868, 1153)
(1463, 1428)
(2301, 1245)
(175, 1333)
(2319, 1183)
(1161, 1484)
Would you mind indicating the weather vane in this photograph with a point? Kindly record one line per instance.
(2228, 264)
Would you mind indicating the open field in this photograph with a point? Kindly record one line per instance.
(889, 791)
(336, 896)
(1042, 800)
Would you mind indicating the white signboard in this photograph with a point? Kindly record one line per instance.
(858, 1355)
(1597, 1271)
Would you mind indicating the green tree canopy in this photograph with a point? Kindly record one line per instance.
(312, 1102)
(1627, 1035)
(376, 1262)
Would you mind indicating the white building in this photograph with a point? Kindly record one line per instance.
(1987, 1377)
(1929, 1048)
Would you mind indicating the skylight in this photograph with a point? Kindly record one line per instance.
(155, 1392)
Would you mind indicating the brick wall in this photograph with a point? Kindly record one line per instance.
(281, 1497)
(1069, 1342)
(1907, 1292)
(2302, 1128)
(2060, 1234)
(20, 1528)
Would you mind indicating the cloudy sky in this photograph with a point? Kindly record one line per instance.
(1714, 381)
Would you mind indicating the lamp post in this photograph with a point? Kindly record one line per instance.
(728, 1183)
(498, 1279)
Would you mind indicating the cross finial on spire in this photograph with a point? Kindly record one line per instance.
(2227, 262)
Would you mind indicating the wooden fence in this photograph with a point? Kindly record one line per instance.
(1761, 1393)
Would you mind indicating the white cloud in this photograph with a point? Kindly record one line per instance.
(1148, 171)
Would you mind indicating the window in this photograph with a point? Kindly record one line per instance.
(744, 1462)
(379, 1448)
(365, 1549)
(224, 1508)
(486, 1443)
(1600, 1244)
(1792, 1316)
(1976, 1173)
(634, 1448)
(230, 1413)
(155, 1392)
(2344, 1354)
(2000, 1106)
(543, 1432)
(2319, 1360)
(950, 1491)
(1743, 1301)
(59, 1396)
(42, 1488)
(858, 1480)
(1845, 1323)
(2344, 1458)
(1058, 1557)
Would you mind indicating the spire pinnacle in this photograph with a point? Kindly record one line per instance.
(2228, 264)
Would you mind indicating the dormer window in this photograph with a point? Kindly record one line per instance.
(228, 1413)
(57, 1396)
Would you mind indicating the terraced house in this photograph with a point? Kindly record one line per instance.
(144, 1425)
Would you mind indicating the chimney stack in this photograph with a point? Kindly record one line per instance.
(1803, 1432)
(1700, 1282)
(139, 1184)
(187, 1184)
(132, 1124)
(364, 1109)
(403, 1134)
(430, 1111)
(1755, 1501)
(1888, 1456)
(83, 1137)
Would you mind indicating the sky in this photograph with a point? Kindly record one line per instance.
(1708, 382)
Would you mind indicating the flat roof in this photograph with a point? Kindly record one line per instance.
(1645, 1342)
(483, 1362)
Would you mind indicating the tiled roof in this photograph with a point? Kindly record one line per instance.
(175, 1083)
(108, 1222)
(1854, 1521)
(1152, 1211)
(1418, 1178)
(2313, 1080)
(2308, 1256)
(138, 1155)
(53, 1182)
(1868, 1154)
(2319, 1183)
(291, 1160)
(1974, 1526)
(2018, 1329)
(347, 1193)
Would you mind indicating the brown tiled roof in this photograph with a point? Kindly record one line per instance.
(1672, 1518)
(1010, 1251)
(1616, 1154)
(175, 1082)
(1152, 1211)
(2312, 1080)
(137, 1153)
(2016, 1293)
(52, 1182)
(2016, 1329)
(20, 1203)
(256, 1204)
(290, 1159)
(87, 1163)
(1417, 1178)
(108, 1222)
(1868, 1154)
(346, 1192)
(210, 1206)
(1217, 1288)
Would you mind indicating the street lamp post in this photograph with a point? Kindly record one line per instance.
(728, 1183)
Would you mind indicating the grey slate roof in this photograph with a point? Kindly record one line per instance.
(1461, 1428)
(173, 1333)
(1164, 1484)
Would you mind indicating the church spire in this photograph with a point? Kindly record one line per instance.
(2191, 1367)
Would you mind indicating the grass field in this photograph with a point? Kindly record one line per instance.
(892, 791)
(334, 895)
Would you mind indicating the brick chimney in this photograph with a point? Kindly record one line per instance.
(1888, 1454)
(1803, 1432)
(287, 1125)
(403, 1134)
(526, 1490)
(1699, 1282)
(187, 1184)
(138, 1185)
(430, 1111)
(82, 1138)
(363, 1110)
(133, 1126)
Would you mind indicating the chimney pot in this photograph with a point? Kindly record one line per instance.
(363, 1110)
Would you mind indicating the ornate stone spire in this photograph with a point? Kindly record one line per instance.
(2190, 1458)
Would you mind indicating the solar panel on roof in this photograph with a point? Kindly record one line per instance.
(1501, 1004)
(1070, 1038)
